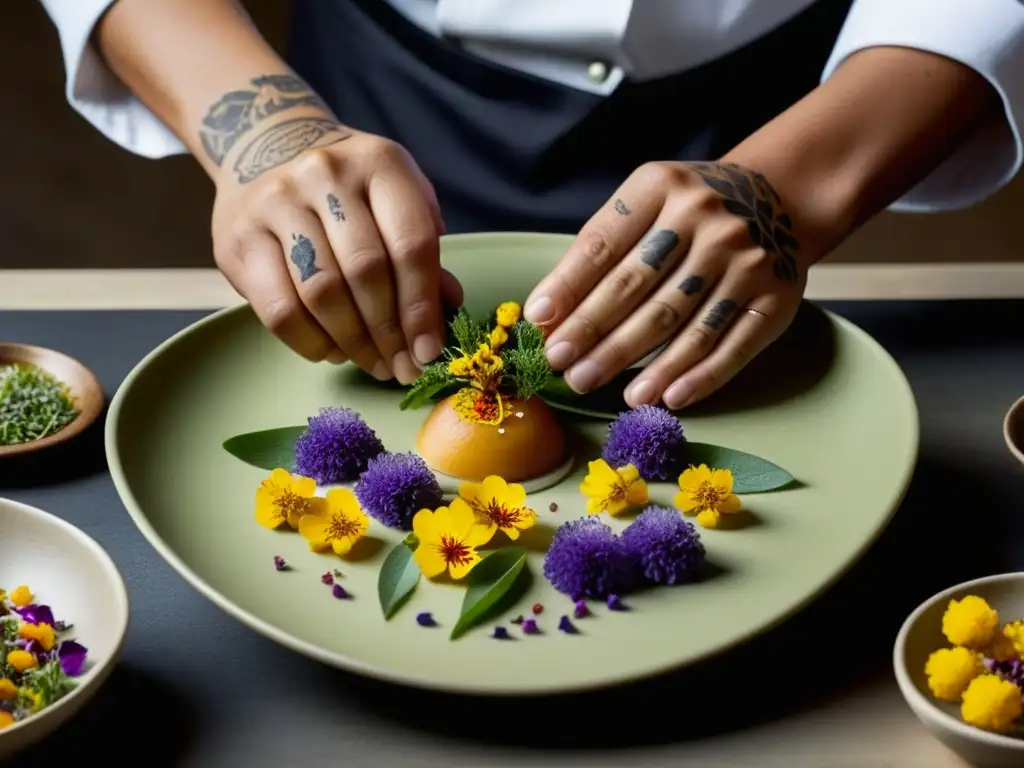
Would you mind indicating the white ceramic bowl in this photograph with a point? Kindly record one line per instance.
(71, 573)
(920, 635)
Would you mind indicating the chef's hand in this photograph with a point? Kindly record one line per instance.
(332, 237)
(702, 256)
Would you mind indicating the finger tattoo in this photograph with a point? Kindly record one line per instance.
(692, 285)
(304, 257)
(334, 206)
(748, 195)
(720, 313)
(657, 248)
(621, 209)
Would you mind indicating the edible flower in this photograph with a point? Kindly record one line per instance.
(991, 703)
(448, 538)
(970, 622)
(667, 548)
(497, 338)
(395, 486)
(613, 490)
(508, 314)
(338, 525)
(8, 690)
(1013, 632)
(6, 720)
(37, 614)
(21, 596)
(285, 498)
(587, 559)
(71, 655)
(951, 670)
(40, 633)
(498, 505)
(336, 447)
(21, 660)
(649, 438)
(708, 494)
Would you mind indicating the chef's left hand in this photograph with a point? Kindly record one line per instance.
(700, 255)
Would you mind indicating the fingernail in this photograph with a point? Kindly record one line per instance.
(678, 394)
(584, 376)
(561, 355)
(539, 310)
(336, 357)
(405, 369)
(642, 393)
(426, 348)
(381, 372)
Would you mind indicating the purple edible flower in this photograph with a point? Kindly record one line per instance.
(530, 626)
(72, 657)
(279, 563)
(615, 603)
(500, 633)
(395, 486)
(425, 619)
(666, 547)
(580, 610)
(566, 626)
(1011, 670)
(37, 614)
(649, 438)
(339, 592)
(336, 447)
(586, 559)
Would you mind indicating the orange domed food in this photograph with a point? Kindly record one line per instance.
(514, 439)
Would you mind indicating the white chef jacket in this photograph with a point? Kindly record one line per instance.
(592, 45)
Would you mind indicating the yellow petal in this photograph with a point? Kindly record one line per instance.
(470, 491)
(302, 486)
(462, 570)
(343, 545)
(636, 495)
(313, 526)
(344, 501)
(268, 516)
(708, 518)
(423, 525)
(600, 471)
(685, 501)
(722, 480)
(527, 518)
(443, 518)
(281, 478)
(595, 488)
(493, 488)
(430, 560)
(515, 496)
(730, 504)
(512, 533)
(616, 507)
(462, 518)
(595, 506)
(628, 473)
(479, 533)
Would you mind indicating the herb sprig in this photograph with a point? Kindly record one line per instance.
(33, 404)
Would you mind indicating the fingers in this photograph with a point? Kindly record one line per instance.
(409, 232)
(452, 294)
(601, 244)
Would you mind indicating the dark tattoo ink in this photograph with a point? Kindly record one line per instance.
(236, 112)
(719, 313)
(692, 285)
(283, 142)
(657, 248)
(304, 257)
(334, 206)
(621, 209)
(748, 194)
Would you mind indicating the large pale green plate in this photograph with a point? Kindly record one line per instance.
(826, 402)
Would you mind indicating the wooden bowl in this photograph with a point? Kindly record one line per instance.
(85, 389)
(1013, 429)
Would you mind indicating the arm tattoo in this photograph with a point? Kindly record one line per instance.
(657, 248)
(748, 194)
(334, 206)
(692, 285)
(621, 209)
(236, 112)
(285, 141)
(304, 257)
(719, 313)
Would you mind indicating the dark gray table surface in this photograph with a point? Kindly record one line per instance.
(196, 688)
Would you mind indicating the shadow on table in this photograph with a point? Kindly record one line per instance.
(133, 715)
(842, 637)
(81, 457)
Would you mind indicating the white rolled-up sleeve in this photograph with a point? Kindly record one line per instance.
(986, 35)
(96, 93)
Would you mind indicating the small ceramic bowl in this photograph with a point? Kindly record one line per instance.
(920, 635)
(85, 389)
(68, 571)
(1013, 429)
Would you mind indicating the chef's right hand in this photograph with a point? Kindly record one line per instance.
(332, 237)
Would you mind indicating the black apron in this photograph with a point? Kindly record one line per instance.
(511, 152)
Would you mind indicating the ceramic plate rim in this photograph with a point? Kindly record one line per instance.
(109, 567)
(354, 665)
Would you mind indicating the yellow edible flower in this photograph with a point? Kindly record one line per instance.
(21, 660)
(41, 633)
(34, 696)
(497, 337)
(461, 367)
(951, 670)
(499, 505)
(8, 690)
(285, 498)
(21, 596)
(612, 490)
(970, 622)
(1013, 633)
(708, 494)
(508, 314)
(338, 526)
(448, 538)
(991, 703)
(6, 720)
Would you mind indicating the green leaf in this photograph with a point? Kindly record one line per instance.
(750, 474)
(268, 449)
(434, 378)
(487, 583)
(398, 577)
(468, 333)
(597, 405)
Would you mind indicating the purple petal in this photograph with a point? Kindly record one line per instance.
(72, 657)
(37, 614)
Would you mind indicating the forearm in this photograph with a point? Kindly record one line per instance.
(182, 57)
(880, 124)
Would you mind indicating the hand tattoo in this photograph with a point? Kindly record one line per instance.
(236, 112)
(621, 209)
(334, 206)
(719, 313)
(657, 248)
(304, 257)
(285, 141)
(692, 285)
(748, 194)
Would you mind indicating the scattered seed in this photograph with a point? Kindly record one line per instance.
(500, 633)
(530, 626)
(566, 626)
(425, 620)
(518, 620)
(279, 563)
(580, 610)
(327, 578)
(615, 603)
(339, 592)
(553, 507)
(537, 609)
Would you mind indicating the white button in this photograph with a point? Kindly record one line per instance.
(597, 71)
